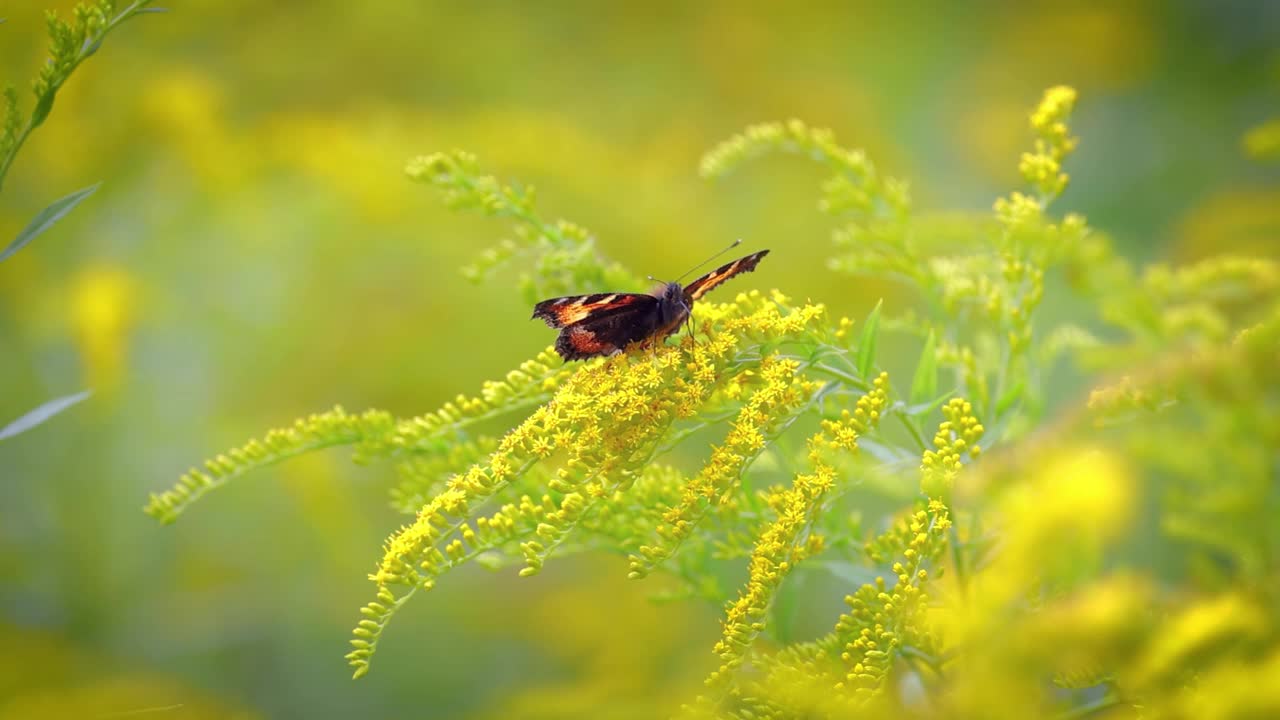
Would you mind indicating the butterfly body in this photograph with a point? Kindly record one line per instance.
(606, 323)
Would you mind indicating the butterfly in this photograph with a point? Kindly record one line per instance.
(605, 323)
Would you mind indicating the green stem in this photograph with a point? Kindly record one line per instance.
(911, 429)
(842, 376)
(89, 47)
(914, 653)
(1105, 702)
(957, 559)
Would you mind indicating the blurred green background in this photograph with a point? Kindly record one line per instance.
(256, 254)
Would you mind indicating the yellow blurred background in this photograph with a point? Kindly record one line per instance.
(256, 254)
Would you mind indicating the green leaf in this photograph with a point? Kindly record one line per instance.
(925, 409)
(924, 386)
(867, 343)
(46, 218)
(785, 607)
(40, 414)
(1010, 396)
(44, 105)
(849, 573)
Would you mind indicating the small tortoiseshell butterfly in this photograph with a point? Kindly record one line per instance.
(605, 323)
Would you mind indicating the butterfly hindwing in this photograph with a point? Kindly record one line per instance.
(565, 311)
(696, 289)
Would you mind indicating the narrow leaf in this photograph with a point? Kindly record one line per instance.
(924, 409)
(1010, 396)
(40, 414)
(924, 386)
(784, 608)
(867, 343)
(46, 218)
(849, 573)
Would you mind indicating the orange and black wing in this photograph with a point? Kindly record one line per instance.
(696, 289)
(600, 324)
(565, 311)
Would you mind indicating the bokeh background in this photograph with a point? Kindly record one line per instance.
(256, 254)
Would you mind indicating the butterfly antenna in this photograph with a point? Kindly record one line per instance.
(732, 245)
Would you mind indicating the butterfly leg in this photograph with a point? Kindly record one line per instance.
(651, 347)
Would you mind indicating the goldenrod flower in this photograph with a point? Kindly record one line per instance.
(783, 544)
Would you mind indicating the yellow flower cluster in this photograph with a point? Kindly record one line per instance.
(782, 393)
(374, 434)
(882, 619)
(1043, 168)
(1202, 301)
(336, 427)
(532, 383)
(1040, 607)
(1019, 211)
(1084, 493)
(1113, 401)
(1223, 275)
(965, 361)
(603, 421)
(840, 673)
(855, 187)
(957, 436)
(1032, 613)
(1023, 215)
(631, 520)
(789, 539)
(423, 473)
(598, 432)
(797, 681)
(792, 135)
(1235, 367)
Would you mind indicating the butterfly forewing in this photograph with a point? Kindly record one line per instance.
(564, 311)
(705, 284)
(610, 331)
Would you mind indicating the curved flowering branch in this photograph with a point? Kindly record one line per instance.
(562, 255)
(373, 435)
(594, 438)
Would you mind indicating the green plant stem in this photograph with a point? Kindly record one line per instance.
(957, 559)
(911, 429)
(1105, 702)
(45, 101)
(918, 655)
(842, 376)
